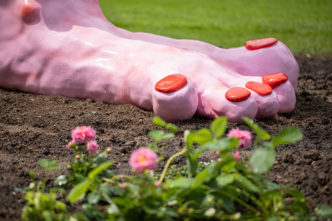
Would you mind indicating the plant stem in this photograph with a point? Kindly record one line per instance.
(169, 162)
(117, 177)
(239, 201)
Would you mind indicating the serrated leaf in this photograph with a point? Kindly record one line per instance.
(158, 121)
(324, 211)
(222, 145)
(262, 160)
(181, 182)
(78, 191)
(92, 174)
(218, 126)
(48, 164)
(159, 135)
(200, 178)
(113, 209)
(172, 128)
(189, 138)
(93, 197)
(202, 136)
(246, 183)
(260, 132)
(287, 136)
(225, 179)
(296, 194)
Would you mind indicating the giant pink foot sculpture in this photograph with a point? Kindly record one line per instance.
(67, 47)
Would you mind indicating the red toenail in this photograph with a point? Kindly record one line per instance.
(171, 83)
(29, 13)
(259, 88)
(237, 94)
(275, 79)
(260, 43)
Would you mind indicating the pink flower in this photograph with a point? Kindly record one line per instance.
(142, 159)
(83, 134)
(157, 184)
(243, 136)
(70, 145)
(236, 155)
(92, 147)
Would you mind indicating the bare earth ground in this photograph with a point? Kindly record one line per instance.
(38, 126)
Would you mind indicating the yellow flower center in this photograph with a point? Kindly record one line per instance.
(141, 159)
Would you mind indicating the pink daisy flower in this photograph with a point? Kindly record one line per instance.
(70, 145)
(243, 136)
(83, 134)
(142, 159)
(236, 155)
(92, 147)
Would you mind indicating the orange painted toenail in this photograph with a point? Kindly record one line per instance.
(275, 79)
(29, 13)
(260, 43)
(237, 94)
(259, 88)
(171, 83)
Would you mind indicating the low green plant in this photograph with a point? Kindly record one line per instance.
(229, 188)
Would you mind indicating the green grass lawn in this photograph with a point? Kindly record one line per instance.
(303, 25)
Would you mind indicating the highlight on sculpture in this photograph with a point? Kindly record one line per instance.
(68, 48)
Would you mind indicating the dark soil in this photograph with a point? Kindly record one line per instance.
(38, 126)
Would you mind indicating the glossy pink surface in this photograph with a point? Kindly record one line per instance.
(68, 48)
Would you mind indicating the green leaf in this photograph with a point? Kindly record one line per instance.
(287, 136)
(158, 121)
(78, 191)
(113, 209)
(32, 175)
(180, 182)
(200, 178)
(324, 211)
(93, 197)
(223, 145)
(172, 128)
(61, 180)
(218, 126)
(48, 164)
(260, 132)
(296, 194)
(246, 183)
(225, 179)
(192, 164)
(92, 174)
(202, 136)
(159, 135)
(262, 160)
(189, 138)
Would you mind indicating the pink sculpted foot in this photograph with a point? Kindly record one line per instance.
(67, 48)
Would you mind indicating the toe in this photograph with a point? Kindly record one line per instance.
(234, 103)
(284, 90)
(174, 98)
(266, 99)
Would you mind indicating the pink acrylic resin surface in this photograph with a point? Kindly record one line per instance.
(68, 48)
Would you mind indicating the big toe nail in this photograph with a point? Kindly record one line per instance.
(171, 83)
(174, 98)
